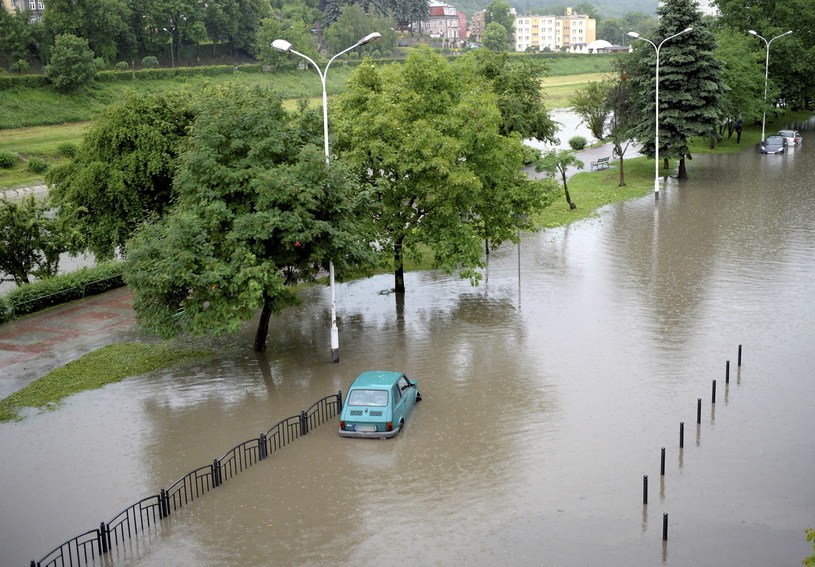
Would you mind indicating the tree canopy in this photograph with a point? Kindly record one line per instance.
(257, 210)
(122, 173)
(425, 136)
(691, 90)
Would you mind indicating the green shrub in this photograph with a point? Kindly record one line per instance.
(7, 160)
(37, 165)
(36, 296)
(99, 63)
(19, 66)
(67, 149)
(32, 81)
(149, 61)
(5, 310)
(577, 142)
(121, 66)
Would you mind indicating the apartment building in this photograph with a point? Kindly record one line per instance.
(35, 7)
(445, 23)
(572, 31)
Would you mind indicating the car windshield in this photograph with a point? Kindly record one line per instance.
(775, 139)
(368, 398)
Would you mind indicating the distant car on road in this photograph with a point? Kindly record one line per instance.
(774, 144)
(377, 405)
(793, 137)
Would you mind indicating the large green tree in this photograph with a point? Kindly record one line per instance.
(691, 90)
(520, 98)
(792, 58)
(258, 209)
(31, 240)
(104, 23)
(122, 174)
(425, 136)
(71, 66)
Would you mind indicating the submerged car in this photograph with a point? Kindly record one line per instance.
(774, 145)
(793, 137)
(377, 404)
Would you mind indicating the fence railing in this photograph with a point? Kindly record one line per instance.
(88, 548)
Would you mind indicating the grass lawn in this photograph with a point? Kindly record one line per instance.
(106, 365)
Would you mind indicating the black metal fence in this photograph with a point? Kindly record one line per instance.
(89, 547)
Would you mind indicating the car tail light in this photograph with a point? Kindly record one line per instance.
(389, 426)
(342, 424)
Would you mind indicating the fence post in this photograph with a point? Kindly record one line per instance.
(104, 536)
(216, 473)
(339, 402)
(164, 504)
(303, 423)
(262, 444)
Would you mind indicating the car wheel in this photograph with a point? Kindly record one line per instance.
(418, 396)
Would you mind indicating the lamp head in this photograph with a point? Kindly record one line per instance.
(369, 38)
(686, 30)
(752, 32)
(633, 34)
(281, 45)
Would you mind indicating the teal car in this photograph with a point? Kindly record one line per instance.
(377, 405)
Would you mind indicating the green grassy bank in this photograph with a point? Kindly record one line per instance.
(104, 366)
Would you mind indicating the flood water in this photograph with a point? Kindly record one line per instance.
(548, 390)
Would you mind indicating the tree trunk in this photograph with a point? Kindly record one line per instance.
(399, 267)
(683, 173)
(665, 164)
(263, 324)
(622, 173)
(487, 246)
(569, 198)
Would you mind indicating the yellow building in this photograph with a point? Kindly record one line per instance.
(572, 31)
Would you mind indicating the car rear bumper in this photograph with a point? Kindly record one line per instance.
(369, 434)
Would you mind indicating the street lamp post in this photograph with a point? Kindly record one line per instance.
(285, 46)
(766, 71)
(635, 35)
(172, 57)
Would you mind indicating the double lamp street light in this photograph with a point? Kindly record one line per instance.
(635, 35)
(285, 46)
(766, 70)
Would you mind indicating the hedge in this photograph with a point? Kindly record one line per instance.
(39, 295)
(31, 81)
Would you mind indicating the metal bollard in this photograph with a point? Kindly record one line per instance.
(645, 489)
(662, 463)
(681, 434)
(714, 393)
(698, 410)
(665, 527)
(727, 373)
(739, 355)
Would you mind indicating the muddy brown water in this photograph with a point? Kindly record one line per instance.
(548, 394)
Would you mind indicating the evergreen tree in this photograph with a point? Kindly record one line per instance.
(691, 88)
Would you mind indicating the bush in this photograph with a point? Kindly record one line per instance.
(37, 165)
(577, 143)
(7, 160)
(67, 149)
(19, 66)
(149, 61)
(99, 63)
(71, 66)
(5, 310)
(121, 66)
(36, 296)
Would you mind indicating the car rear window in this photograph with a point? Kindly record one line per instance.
(787, 133)
(368, 398)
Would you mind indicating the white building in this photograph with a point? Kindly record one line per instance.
(572, 31)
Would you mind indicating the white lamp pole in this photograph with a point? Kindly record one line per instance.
(766, 71)
(283, 45)
(172, 57)
(635, 35)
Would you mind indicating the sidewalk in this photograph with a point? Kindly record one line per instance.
(587, 156)
(33, 345)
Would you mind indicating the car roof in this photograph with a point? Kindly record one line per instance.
(783, 132)
(376, 379)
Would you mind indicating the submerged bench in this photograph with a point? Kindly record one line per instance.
(601, 163)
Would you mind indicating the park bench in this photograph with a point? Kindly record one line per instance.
(601, 163)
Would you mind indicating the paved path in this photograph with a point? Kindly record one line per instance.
(33, 345)
(39, 191)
